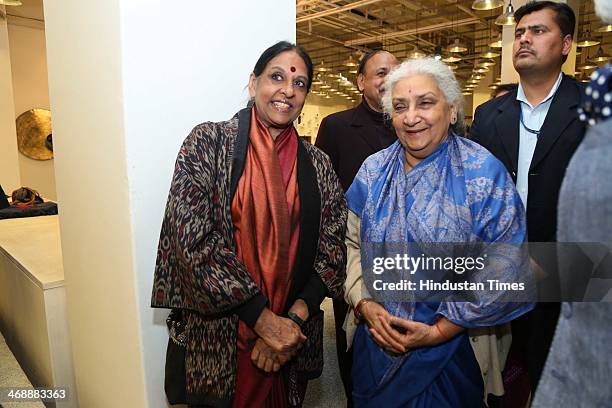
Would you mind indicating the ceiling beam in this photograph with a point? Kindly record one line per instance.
(355, 47)
(413, 31)
(353, 5)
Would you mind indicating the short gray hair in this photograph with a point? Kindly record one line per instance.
(603, 8)
(440, 72)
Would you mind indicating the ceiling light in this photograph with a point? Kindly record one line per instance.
(350, 62)
(478, 76)
(586, 40)
(321, 67)
(605, 29)
(493, 86)
(481, 70)
(486, 63)
(490, 54)
(496, 43)
(416, 54)
(457, 46)
(601, 56)
(507, 18)
(487, 4)
(586, 66)
(452, 58)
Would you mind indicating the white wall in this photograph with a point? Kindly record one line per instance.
(31, 90)
(135, 77)
(9, 162)
(194, 70)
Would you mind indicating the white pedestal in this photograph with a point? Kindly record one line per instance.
(32, 302)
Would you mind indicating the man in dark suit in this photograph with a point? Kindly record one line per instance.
(348, 138)
(534, 132)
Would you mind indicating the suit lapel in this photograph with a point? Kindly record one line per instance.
(507, 125)
(561, 113)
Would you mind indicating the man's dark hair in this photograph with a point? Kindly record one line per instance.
(564, 16)
(365, 59)
(504, 88)
(279, 48)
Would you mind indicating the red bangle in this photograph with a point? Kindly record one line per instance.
(441, 332)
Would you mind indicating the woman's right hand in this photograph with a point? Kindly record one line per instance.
(378, 320)
(281, 334)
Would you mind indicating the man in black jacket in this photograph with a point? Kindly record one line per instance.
(534, 132)
(348, 138)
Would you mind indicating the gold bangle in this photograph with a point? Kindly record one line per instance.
(358, 315)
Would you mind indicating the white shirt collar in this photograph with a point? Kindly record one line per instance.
(520, 95)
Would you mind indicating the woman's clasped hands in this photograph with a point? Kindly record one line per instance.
(398, 335)
(279, 339)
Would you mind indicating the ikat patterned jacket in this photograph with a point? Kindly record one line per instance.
(197, 271)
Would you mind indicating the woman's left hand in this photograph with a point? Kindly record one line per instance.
(413, 334)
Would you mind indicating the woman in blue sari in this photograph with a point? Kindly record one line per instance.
(431, 186)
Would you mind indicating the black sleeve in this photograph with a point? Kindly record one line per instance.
(250, 311)
(313, 294)
(475, 131)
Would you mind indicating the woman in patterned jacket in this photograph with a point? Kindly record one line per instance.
(251, 243)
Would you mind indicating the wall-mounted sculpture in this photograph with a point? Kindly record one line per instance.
(34, 135)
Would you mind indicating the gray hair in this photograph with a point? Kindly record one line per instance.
(603, 8)
(440, 72)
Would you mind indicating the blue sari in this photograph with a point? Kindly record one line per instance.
(460, 193)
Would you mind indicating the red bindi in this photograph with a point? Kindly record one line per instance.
(292, 69)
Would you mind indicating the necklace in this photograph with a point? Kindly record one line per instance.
(533, 131)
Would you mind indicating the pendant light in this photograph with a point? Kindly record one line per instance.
(487, 4)
(350, 62)
(601, 56)
(321, 67)
(605, 29)
(486, 63)
(457, 46)
(497, 43)
(507, 18)
(586, 40)
(416, 53)
(452, 58)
